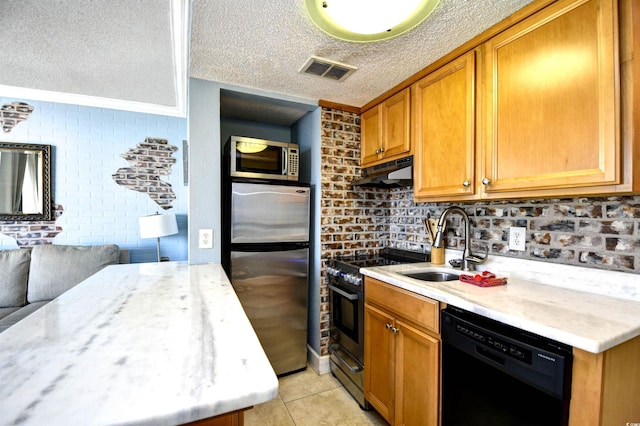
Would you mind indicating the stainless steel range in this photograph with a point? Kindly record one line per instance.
(346, 291)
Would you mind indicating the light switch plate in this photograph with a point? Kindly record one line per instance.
(517, 238)
(205, 239)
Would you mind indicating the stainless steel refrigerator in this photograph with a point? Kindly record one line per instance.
(268, 264)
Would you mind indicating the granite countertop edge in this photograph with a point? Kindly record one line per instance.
(139, 344)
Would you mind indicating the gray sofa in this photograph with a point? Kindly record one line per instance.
(29, 279)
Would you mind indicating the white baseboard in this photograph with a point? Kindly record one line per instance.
(319, 363)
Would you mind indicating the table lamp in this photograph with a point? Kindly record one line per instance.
(156, 226)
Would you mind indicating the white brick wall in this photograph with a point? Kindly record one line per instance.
(87, 143)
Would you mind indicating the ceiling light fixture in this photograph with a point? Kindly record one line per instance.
(368, 20)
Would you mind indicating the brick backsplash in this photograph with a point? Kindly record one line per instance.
(598, 232)
(594, 232)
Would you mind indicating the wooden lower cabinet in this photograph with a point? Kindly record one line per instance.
(379, 350)
(605, 388)
(417, 376)
(235, 418)
(402, 356)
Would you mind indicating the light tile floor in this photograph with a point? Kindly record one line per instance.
(309, 399)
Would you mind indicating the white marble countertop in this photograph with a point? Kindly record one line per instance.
(593, 310)
(140, 344)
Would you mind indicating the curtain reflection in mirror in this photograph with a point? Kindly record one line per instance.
(19, 182)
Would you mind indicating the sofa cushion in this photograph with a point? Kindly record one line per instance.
(57, 268)
(14, 265)
(21, 313)
(6, 311)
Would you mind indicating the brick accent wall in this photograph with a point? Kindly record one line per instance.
(352, 221)
(12, 114)
(35, 233)
(149, 160)
(87, 144)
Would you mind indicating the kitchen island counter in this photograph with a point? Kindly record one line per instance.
(140, 344)
(593, 310)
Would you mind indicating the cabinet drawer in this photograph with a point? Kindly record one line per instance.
(418, 309)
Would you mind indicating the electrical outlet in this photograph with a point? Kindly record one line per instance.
(205, 238)
(517, 238)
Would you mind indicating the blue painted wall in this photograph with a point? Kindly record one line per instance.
(87, 143)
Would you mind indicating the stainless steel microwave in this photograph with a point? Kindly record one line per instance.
(262, 159)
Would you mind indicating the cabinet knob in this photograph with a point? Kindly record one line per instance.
(389, 326)
(486, 181)
(466, 184)
(378, 151)
(395, 330)
(382, 149)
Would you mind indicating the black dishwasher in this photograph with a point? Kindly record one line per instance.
(497, 375)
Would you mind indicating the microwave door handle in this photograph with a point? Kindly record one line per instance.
(285, 162)
(350, 296)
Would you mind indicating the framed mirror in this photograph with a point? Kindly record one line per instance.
(25, 182)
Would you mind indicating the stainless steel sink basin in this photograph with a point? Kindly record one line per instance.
(433, 276)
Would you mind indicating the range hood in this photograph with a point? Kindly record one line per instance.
(393, 174)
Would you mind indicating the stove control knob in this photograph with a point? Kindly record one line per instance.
(332, 271)
(357, 280)
(350, 278)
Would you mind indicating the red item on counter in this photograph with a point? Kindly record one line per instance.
(484, 279)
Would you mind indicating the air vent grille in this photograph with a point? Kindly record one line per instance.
(327, 68)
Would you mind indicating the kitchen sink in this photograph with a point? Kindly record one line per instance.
(433, 276)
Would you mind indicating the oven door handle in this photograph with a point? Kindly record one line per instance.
(350, 296)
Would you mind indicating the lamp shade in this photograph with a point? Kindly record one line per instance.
(158, 225)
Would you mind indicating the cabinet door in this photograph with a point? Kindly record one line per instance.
(379, 359)
(396, 125)
(443, 113)
(371, 143)
(417, 377)
(552, 100)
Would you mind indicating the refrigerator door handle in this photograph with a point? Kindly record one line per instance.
(350, 296)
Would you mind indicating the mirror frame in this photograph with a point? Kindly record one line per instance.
(45, 151)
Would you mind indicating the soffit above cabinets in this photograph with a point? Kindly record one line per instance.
(121, 54)
(240, 106)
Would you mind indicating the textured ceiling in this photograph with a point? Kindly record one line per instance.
(100, 49)
(234, 41)
(136, 51)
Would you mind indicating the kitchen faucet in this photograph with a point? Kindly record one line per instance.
(469, 260)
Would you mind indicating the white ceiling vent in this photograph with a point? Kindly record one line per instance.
(327, 68)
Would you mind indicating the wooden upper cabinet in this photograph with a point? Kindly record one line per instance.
(551, 103)
(443, 115)
(386, 130)
(371, 140)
